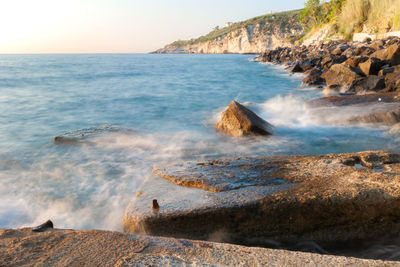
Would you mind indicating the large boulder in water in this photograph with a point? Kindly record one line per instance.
(238, 120)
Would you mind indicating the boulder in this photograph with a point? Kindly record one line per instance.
(337, 51)
(372, 66)
(377, 44)
(385, 70)
(372, 83)
(349, 52)
(340, 75)
(326, 62)
(328, 199)
(354, 61)
(359, 50)
(296, 67)
(238, 120)
(392, 81)
(313, 78)
(391, 54)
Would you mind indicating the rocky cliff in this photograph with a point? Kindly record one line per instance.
(252, 36)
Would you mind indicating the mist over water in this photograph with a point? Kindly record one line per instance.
(157, 109)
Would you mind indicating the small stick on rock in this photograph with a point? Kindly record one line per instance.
(155, 207)
(43, 227)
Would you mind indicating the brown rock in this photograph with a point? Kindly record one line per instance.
(385, 70)
(238, 120)
(368, 84)
(326, 62)
(313, 78)
(371, 67)
(392, 81)
(340, 75)
(391, 54)
(354, 61)
(295, 68)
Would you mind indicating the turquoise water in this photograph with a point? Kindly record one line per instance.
(138, 110)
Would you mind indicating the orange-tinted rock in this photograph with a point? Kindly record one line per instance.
(238, 120)
(341, 75)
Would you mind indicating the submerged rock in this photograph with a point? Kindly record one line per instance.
(238, 120)
(329, 199)
(83, 135)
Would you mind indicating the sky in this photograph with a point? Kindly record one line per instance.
(118, 26)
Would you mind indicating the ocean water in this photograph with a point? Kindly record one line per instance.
(135, 111)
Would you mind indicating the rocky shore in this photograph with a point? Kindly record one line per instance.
(364, 78)
(345, 67)
(304, 207)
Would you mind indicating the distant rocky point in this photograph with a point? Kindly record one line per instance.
(247, 37)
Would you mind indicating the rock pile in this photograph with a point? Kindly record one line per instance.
(348, 67)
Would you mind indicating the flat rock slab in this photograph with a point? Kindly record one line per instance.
(329, 199)
(379, 108)
(22, 247)
(223, 175)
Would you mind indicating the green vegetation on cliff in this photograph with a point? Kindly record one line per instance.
(281, 18)
(351, 16)
(374, 16)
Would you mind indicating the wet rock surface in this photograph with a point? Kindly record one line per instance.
(332, 200)
(238, 120)
(82, 136)
(378, 108)
(22, 247)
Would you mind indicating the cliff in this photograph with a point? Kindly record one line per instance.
(251, 36)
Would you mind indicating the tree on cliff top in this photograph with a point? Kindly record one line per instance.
(316, 12)
(311, 14)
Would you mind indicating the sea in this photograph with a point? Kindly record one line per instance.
(132, 111)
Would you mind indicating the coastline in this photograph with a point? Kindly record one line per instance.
(278, 253)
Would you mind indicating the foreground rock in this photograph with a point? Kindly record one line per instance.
(238, 120)
(22, 247)
(331, 200)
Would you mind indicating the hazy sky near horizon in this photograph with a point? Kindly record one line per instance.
(118, 26)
